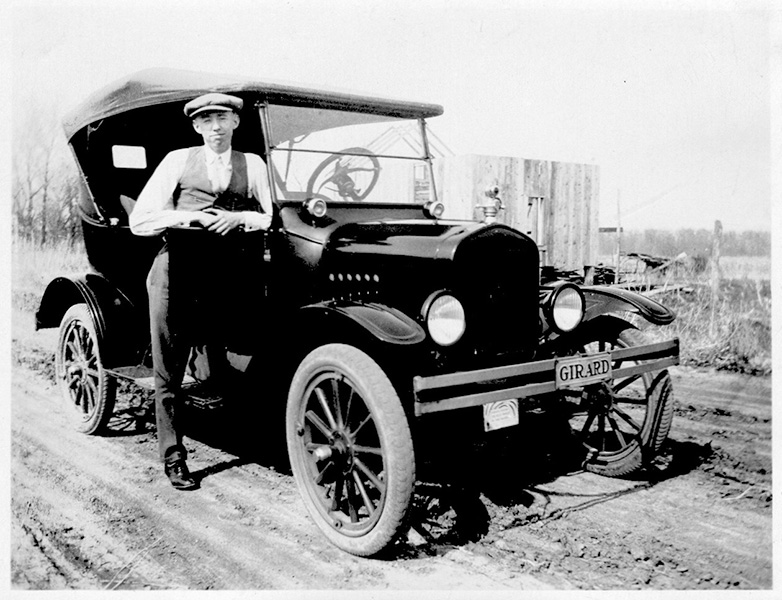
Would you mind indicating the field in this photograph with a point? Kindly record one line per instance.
(33, 267)
(756, 268)
(731, 331)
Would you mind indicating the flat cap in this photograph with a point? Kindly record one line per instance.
(213, 102)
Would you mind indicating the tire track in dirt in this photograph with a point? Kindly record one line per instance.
(91, 512)
(75, 496)
(96, 512)
(702, 521)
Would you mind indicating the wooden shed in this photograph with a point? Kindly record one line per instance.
(556, 203)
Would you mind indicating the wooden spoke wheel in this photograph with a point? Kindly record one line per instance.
(85, 386)
(623, 423)
(350, 448)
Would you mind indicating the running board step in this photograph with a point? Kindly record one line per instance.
(144, 378)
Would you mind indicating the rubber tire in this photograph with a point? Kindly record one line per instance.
(382, 402)
(659, 412)
(105, 390)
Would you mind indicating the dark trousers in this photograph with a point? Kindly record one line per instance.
(170, 349)
(203, 291)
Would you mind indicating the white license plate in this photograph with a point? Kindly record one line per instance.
(579, 371)
(497, 415)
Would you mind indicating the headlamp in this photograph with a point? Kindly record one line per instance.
(445, 320)
(566, 307)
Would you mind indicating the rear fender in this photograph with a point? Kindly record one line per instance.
(602, 300)
(114, 315)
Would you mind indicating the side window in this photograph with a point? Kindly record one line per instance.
(132, 160)
(129, 157)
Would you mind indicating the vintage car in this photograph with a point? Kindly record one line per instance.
(375, 314)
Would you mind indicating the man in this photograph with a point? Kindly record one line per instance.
(225, 192)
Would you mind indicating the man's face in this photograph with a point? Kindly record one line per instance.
(217, 128)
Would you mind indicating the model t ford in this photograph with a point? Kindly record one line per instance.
(373, 312)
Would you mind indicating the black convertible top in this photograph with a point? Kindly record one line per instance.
(152, 87)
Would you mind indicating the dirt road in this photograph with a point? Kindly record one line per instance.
(96, 512)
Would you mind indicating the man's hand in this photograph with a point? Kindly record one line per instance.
(203, 219)
(224, 221)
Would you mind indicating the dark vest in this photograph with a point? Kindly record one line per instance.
(194, 191)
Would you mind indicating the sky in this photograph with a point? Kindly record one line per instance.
(670, 99)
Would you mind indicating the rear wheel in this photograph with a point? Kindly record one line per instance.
(350, 448)
(622, 423)
(86, 388)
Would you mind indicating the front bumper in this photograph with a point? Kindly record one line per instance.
(450, 391)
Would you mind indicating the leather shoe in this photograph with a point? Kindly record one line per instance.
(179, 476)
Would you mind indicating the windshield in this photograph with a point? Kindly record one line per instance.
(345, 156)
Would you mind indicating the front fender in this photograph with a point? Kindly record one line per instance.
(114, 315)
(603, 299)
(381, 322)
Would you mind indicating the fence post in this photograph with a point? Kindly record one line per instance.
(618, 234)
(715, 274)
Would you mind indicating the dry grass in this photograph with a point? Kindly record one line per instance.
(731, 332)
(33, 267)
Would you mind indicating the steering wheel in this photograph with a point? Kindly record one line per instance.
(337, 172)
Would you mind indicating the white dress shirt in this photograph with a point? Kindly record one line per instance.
(155, 212)
(219, 169)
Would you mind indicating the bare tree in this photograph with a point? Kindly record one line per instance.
(44, 185)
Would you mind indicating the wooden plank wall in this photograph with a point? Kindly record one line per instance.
(570, 202)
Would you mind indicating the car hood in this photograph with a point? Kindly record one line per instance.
(413, 238)
(491, 268)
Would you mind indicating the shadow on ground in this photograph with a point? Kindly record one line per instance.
(468, 481)
(499, 482)
(245, 424)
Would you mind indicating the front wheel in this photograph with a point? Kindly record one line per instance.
(88, 391)
(350, 448)
(622, 423)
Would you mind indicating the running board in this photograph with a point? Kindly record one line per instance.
(144, 378)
